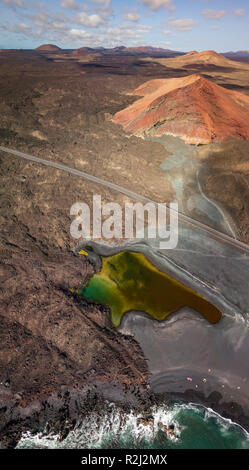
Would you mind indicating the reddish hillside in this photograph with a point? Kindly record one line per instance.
(82, 52)
(85, 55)
(205, 57)
(48, 47)
(192, 107)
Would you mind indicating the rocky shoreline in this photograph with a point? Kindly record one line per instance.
(61, 412)
(66, 393)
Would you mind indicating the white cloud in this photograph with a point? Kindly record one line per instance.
(131, 14)
(140, 29)
(85, 7)
(183, 24)
(130, 30)
(103, 3)
(56, 26)
(214, 14)
(13, 3)
(166, 32)
(125, 35)
(239, 12)
(121, 35)
(46, 25)
(156, 4)
(23, 27)
(71, 4)
(103, 9)
(40, 19)
(78, 34)
(92, 21)
(74, 37)
(19, 28)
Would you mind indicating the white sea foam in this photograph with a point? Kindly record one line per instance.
(94, 430)
(225, 423)
(115, 426)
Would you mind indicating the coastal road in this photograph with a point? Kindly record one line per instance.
(224, 238)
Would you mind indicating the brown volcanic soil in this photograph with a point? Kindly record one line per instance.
(48, 47)
(206, 57)
(83, 55)
(51, 342)
(231, 74)
(226, 180)
(62, 112)
(203, 58)
(193, 108)
(82, 51)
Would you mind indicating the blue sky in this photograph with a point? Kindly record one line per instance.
(175, 24)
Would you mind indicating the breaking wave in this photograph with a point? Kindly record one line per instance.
(178, 426)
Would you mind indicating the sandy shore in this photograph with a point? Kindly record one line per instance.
(186, 355)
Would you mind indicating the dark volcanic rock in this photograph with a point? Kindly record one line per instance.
(56, 351)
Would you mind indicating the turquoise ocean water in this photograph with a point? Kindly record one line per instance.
(195, 427)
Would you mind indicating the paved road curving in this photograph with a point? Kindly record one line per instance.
(183, 218)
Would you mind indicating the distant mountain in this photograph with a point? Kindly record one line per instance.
(82, 51)
(10, 50)
(118, 48)
(140, 51)
(143, 51)
(48, 47)
(192, 107)
(85, 54)
(146, 49)
(201, 61)
(205, 57)
(238, 54)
